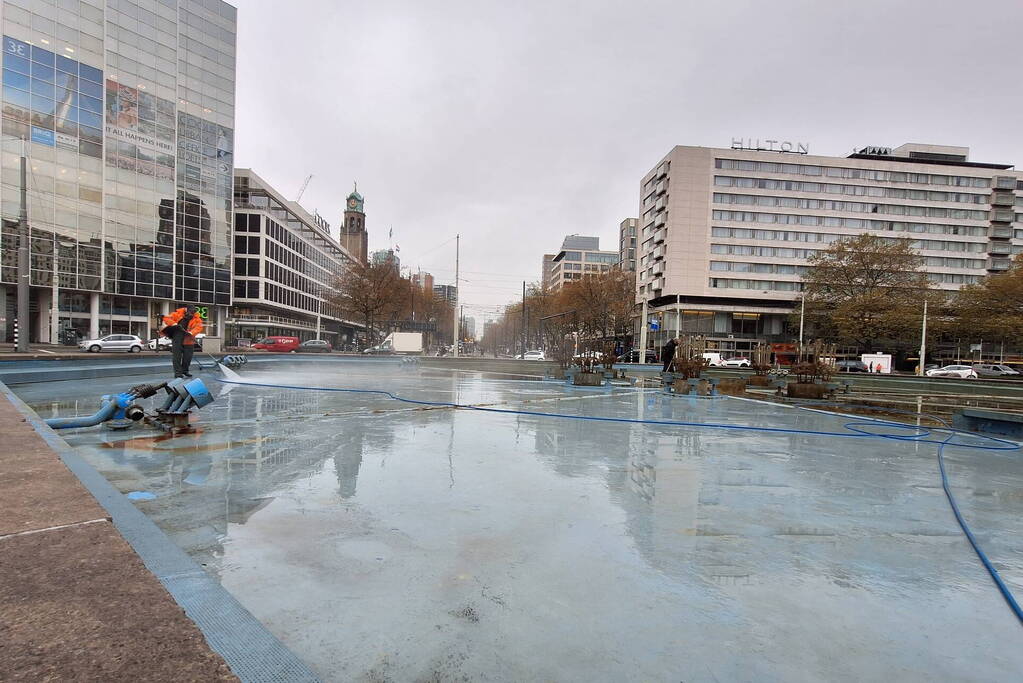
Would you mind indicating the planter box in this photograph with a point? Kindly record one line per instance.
(732, 387)
(588, 379)
(799, 390)
(682, 386)
(760, 381)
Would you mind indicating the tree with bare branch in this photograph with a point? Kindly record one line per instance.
(371, 294)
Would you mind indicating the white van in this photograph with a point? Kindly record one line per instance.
(714, 358)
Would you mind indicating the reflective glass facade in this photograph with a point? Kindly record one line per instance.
(127, 110)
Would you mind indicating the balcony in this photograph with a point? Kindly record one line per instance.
(271, 320)
(660, 187)
(1004, 182)
(999, 248)
(1002, 216)
(998, 264)
(660, 219)
(1003, 198)
(1004, 232)
(657, 284)
(659, 236)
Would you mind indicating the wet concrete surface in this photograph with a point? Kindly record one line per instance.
(389, 541)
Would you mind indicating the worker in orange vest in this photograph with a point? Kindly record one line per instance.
(181, 326)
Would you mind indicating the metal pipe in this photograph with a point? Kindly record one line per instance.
(104, 414)
(171, 397)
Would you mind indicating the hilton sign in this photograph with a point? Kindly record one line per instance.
(758, 145)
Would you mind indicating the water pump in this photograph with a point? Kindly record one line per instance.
(120, 411)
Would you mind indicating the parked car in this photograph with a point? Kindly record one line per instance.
(315, 346)
(162, 343)
(278, 344)
(738, 362)
(633, 356)
(993, 370)
(531, 355)
(112, 342)
(961, 371)
(851, 366)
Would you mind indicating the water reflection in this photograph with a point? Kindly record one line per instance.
(703, 547)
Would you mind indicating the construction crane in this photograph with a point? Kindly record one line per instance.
(304, 186)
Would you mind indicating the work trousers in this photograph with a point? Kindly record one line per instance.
(182, 357)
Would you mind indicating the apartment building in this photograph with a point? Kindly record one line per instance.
(725, 234)
(579, 255)
(627, 231)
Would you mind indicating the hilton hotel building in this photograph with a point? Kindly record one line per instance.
(725, 234)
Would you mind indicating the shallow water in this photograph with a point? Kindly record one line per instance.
(390, 541)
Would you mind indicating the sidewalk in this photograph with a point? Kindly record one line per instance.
(59, 352)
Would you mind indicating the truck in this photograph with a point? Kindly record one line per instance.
(398, 343)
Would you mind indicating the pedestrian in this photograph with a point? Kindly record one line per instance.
(668, 353)
(877, 369)
(181, 326)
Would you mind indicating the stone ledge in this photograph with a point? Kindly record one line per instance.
(77, 603)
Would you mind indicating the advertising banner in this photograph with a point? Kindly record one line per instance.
(141, 126)
(43, 136)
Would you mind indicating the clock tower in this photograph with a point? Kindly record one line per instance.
(353, 226)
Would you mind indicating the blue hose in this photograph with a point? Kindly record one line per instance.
(855, 429)
(106, 412)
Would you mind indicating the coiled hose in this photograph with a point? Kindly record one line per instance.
(855, 429)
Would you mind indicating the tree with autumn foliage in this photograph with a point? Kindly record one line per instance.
(598, 306)
(993, 308)
(867, 291)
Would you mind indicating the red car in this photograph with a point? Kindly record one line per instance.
(278, 344)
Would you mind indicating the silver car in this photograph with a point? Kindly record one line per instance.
(112, 342)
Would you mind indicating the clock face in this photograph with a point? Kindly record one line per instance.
(351, 203)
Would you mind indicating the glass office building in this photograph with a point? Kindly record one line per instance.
(125, 111)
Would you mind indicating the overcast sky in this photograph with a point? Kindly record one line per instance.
(517, 123)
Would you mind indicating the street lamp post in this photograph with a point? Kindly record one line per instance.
(24, 327)
(923, 342)
(802, 314)
(642, 331)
